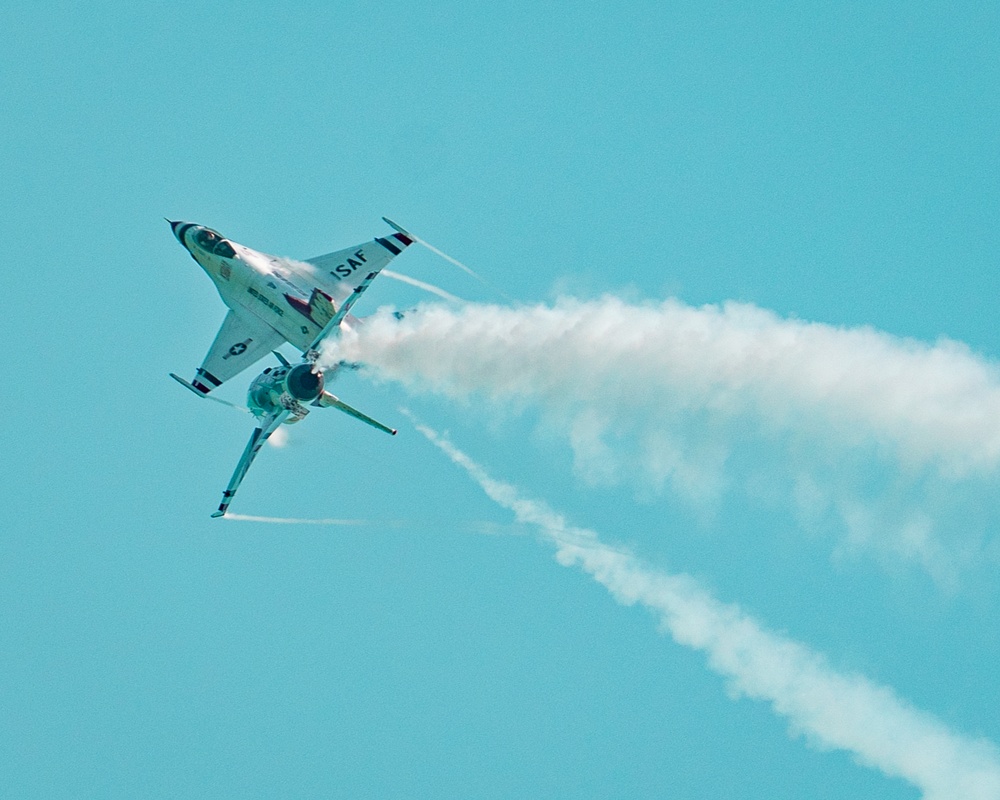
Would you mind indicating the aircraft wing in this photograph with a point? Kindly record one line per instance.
(268, 425)
(239, 343)
(356, 268)
(345, 270)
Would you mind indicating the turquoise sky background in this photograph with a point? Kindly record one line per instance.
(828, 162)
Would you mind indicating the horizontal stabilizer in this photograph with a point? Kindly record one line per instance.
(187, 385)
(328, 400)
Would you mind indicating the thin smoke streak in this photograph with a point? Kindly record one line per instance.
(480, 527)
(300, 521)
(446, 257)
(427, 287)
(836, 710)
(462, 266)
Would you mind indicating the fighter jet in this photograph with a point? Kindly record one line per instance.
(272, 301)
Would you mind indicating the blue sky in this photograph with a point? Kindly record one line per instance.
(827, 163)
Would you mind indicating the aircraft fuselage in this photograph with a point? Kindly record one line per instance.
(275, 290)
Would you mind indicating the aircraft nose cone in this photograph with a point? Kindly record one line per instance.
(178, 228)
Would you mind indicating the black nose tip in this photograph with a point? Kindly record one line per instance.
(178, 228)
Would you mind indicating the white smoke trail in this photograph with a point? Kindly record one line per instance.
(834, 709)
(926, 403)
(685, 398)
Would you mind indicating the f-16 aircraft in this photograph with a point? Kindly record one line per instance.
(275, 300)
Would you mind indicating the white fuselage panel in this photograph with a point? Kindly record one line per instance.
(259, 284)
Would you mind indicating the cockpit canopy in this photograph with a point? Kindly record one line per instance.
(212, 242)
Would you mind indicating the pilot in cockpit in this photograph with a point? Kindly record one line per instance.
(212, 242)
(207, 239)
